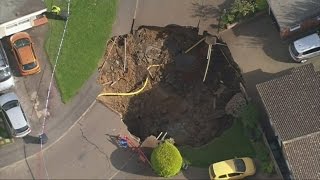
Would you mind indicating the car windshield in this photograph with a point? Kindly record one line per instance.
(240, 166)
(21, 43)
(4, 74)
(29, 66)
(10, 104)
(23, 129)
(211, 171)
(293, 50)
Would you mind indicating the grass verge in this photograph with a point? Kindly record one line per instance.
(90, 25)
(232, 143)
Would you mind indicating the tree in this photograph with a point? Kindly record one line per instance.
(166, 159)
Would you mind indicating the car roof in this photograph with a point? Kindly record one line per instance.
(224, 167)
(307, 43)
(16, 117)
(26, 54)
(7, 97)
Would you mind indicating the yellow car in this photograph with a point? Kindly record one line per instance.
(238, 168)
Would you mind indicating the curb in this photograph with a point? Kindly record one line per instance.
(5, 141)
(236, 24)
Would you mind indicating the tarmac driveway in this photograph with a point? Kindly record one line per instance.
(256, 47)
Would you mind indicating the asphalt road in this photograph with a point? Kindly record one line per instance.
(88, 151)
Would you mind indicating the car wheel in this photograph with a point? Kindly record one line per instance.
(303, 61)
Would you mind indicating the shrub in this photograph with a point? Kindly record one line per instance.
(262, 153)
(166, 160)
(242, 8)
(267, 167)
(261, 5)
(250, 116)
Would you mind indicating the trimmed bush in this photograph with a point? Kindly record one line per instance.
(166, 160)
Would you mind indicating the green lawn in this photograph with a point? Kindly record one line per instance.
(90, 25)
(232, 143)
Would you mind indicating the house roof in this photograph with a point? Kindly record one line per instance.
(13, 9)
(293, 105)
(293, 102)
(289, 13)
(303, 155)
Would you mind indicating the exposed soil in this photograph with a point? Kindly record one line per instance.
(175, 99)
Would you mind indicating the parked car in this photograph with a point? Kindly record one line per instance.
(23, 51)
(238, 168)
(13, 115)
(305, 48)
(6, 79)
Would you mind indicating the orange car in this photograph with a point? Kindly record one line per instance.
(23, 51)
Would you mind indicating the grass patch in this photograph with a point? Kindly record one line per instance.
(250, 117)
(232, 143)
(90, 25)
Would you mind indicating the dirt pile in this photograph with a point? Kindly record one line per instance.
(175, 99)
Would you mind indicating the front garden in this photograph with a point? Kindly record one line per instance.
(243, 139)
(90, 25)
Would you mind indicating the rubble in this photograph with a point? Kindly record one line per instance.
(175, 100)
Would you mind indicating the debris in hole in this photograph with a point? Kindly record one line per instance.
(175, 99)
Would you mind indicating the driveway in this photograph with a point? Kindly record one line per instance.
(87, 151)
(256, 47)
(202, 14)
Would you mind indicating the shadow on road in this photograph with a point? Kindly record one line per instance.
(261, 31)
(128, 160)
(31, 139)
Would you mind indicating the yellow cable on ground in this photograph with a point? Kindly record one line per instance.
(131, 93)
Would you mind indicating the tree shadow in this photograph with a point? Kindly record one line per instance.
(209, 13)
(209, 9)
(129, 161)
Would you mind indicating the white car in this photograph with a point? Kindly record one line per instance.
(305, 48)
(13, 115)
(6, 79)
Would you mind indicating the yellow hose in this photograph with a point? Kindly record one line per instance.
(131, 93)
